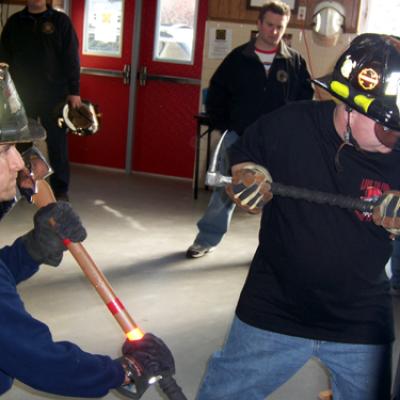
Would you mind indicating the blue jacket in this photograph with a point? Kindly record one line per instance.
(28, 352)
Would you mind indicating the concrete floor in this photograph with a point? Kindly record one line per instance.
(139, 228)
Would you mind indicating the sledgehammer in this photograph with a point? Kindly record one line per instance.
(216, 179)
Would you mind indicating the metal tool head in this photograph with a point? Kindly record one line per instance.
(216, 179)
(213, 177)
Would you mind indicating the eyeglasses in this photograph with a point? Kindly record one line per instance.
(387, 136)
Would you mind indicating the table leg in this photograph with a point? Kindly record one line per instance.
(209, 131)
(197, 162)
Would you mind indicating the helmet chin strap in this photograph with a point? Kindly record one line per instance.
(348, 139)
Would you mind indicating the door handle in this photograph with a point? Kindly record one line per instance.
(126, 74)
(143, 76)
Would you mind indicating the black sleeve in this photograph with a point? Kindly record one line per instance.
(71, 56)
(305, 89)
(252, 145)
(219, 96)
(264, 140)
(5, 44)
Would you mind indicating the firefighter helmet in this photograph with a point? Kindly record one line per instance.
(82, 121)
(367, 78)
(15, 127)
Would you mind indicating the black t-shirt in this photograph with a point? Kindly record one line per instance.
(318, 271)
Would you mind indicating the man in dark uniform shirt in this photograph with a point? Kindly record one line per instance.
(41, 47)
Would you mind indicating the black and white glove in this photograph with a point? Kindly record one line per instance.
(145, 361)
(387, 212)
(250, 188)
(53, 224)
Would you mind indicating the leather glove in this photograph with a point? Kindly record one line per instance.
(52, 224)
(145, 361)
(250, 188)
(387, 212)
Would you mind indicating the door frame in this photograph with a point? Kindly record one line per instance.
(135, 52)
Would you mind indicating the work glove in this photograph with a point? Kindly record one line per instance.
(52, 225)
(386, 213)
(145, 361)
(250, 188)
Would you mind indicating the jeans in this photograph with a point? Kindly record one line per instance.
(395, 264)
(216, 219)
(254, 363)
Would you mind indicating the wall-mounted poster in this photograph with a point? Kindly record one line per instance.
(103, 27)
(220, 43)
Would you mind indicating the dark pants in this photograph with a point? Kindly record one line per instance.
(57, 143)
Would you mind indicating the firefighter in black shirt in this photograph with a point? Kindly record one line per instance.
(41, 47)
(317, 285)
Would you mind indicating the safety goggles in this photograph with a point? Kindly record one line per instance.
(36, 168)
(388, 137)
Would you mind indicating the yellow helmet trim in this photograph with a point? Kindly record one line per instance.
(340, 89)
(363, 101)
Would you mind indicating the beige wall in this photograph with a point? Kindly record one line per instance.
(11, 9)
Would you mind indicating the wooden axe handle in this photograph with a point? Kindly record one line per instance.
(45, 196)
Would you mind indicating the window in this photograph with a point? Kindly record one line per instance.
(175, 31)
(103, 29)
(381, 17)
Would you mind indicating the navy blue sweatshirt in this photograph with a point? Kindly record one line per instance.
(28, 352)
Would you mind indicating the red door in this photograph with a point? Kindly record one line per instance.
(165, 128)
(107, 148)
(163, 132)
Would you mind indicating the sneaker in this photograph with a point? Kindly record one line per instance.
(198, 250)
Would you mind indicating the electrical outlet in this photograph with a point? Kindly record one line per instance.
(301, 13)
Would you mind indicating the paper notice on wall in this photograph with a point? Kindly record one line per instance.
(219, 43)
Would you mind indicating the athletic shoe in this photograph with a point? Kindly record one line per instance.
(197, 250)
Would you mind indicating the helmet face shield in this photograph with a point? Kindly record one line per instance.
(15, 127)
(367, 78)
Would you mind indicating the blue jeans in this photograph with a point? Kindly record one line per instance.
(254, 363)
(395, 264)
(217, 217)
